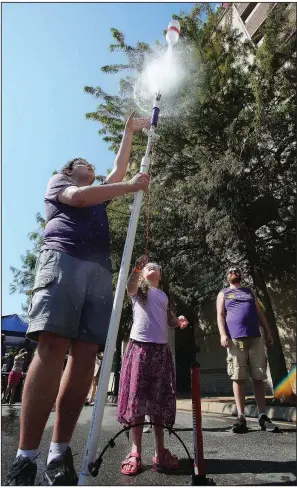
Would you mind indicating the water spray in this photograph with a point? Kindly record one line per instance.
(88, 465)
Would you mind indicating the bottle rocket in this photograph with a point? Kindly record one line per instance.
(173, 32)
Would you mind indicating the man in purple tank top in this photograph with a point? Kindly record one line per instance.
(239, 317)
(70, 308)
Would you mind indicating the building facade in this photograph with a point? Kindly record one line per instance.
(249, 18)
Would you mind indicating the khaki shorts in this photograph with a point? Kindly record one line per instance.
(71, 297)
(247, 353)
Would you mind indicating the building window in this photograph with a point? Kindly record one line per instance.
(248, 10)
(259, 43)
(258, 36)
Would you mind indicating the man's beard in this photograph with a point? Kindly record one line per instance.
(235, 280)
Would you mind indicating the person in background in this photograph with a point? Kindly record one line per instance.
(15, 375)
(3, 346)
(239, 317)
(7, 364)
(94, 385)
(65, 362)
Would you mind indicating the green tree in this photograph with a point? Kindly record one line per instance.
(222, 171)
(23, 279)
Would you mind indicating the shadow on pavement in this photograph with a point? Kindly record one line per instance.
(225, 466)
(285, 483)
(204, 429)
(229, 429)
(217, 429)
(250, 431)
(185, 468)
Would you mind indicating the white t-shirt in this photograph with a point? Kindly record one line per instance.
(150, 322)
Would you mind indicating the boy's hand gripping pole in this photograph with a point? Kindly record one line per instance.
(85, 475)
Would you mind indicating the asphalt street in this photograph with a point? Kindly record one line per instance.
(255, 458)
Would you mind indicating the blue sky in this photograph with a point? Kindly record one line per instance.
(50, 51)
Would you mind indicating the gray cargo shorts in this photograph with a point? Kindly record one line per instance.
(71, 297)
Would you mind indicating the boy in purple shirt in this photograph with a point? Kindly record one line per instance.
(239, 316)
(70, 308)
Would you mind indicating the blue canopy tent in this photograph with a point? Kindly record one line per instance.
(15, 330)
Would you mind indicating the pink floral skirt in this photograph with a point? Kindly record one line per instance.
(147, 383)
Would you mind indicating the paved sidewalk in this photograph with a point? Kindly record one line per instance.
(226, 406)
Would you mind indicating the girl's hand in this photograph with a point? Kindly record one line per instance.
(182, 322)
(134, 125)
(141, 262)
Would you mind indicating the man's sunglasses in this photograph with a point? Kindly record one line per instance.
(234, 270)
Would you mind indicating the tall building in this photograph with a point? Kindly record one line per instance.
(249, 18)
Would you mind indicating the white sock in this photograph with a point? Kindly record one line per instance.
(28, 453)
(56, 451)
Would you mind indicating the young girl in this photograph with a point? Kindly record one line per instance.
(15, 375)
(147, 382)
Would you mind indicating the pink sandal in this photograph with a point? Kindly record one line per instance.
(165, 461)
(135, 465)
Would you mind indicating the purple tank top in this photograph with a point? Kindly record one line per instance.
(82, 232)
(241, 313)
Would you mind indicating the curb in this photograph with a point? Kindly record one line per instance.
(287, 414)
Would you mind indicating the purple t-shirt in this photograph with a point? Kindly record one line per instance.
(82, 232)
(241, 313)
(150, 322)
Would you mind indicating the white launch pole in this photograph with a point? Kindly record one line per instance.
(98, 410)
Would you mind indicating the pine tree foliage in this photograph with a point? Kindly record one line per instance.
(222, 187)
